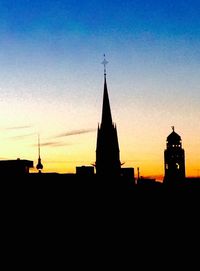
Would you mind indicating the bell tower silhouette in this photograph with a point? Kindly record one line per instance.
(174, 157)
(107, 149)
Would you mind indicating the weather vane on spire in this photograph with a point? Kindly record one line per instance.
(105, 62)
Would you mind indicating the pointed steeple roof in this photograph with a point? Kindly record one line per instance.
(106, 112)
(107, 151)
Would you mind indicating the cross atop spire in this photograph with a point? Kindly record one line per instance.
(173, 128)
(104, 62)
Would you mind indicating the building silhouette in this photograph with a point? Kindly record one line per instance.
(107, 148)
(85, 171)
(174, 159)
(17, 168)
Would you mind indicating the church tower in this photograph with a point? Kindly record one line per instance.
(107, 150)
(174, 157)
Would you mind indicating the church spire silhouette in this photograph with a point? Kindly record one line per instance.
(39, 164)
(107, 151)
(106, 112)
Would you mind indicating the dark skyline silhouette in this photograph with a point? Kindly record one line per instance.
(107, 165)
(109, 172)
(107, 145)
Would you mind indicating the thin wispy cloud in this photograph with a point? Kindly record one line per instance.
(20, 137)
(52, 144)
(18, 127)
(75, 132)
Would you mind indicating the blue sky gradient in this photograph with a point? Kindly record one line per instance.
(166, 18)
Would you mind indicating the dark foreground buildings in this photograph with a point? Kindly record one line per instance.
(15, 168)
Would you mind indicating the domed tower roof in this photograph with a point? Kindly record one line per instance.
(174, 138)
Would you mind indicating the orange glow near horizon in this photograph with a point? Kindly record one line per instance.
(151, 164)
(68, 131)
(139, 146)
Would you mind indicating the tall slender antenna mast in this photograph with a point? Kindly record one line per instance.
(38, 145)
(39, 164)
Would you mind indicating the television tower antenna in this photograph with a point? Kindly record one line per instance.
(39, 164)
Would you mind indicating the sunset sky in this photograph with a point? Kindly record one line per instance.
(51, 80)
